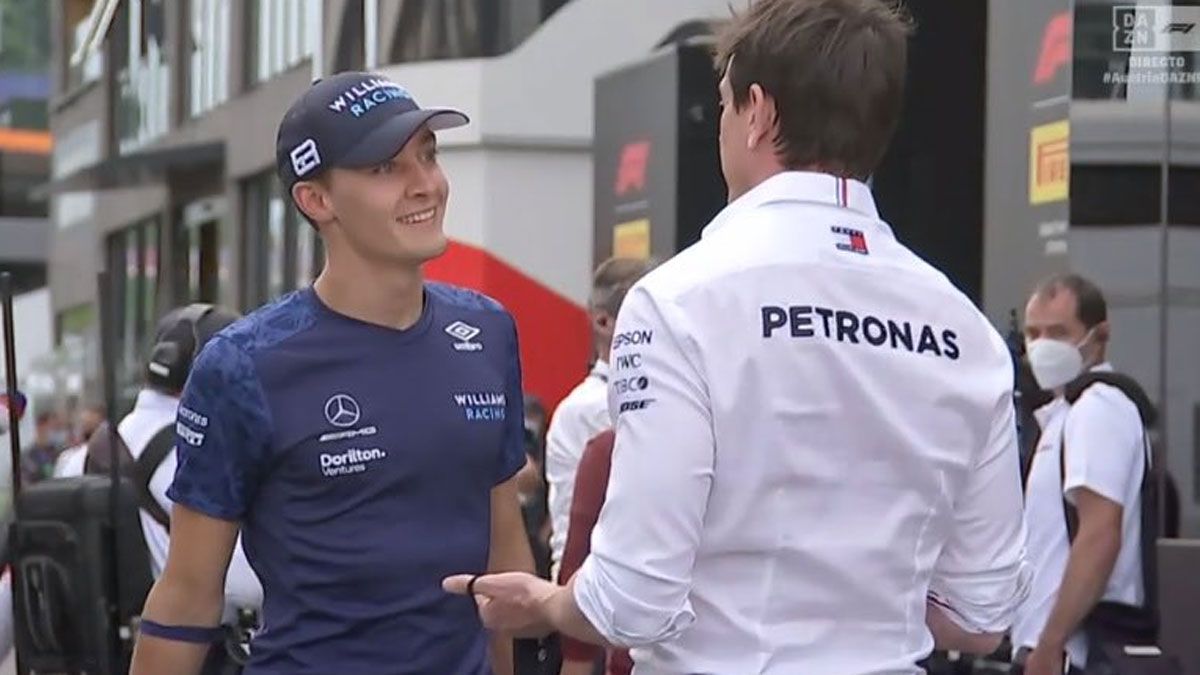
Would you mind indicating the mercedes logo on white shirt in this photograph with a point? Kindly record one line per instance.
(341, 410)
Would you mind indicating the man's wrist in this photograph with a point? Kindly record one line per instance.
(1052, 640)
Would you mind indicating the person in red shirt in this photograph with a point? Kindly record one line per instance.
(591, 483)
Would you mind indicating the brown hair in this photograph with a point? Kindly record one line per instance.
(1090, 307)
(836, 70)
(613, 279)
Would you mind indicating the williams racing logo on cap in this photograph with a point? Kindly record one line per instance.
(359, 99)
(305, 157)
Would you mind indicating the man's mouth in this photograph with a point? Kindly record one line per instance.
(417, 217)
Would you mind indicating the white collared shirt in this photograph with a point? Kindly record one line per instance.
(578, 418)
(814, 432)
(1105, 443)
(151, 412)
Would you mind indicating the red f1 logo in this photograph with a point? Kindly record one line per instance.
(631, 172)
(1056, 49)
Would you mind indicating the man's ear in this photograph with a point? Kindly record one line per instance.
(312, 198)
(1102, 332)
(762, 116)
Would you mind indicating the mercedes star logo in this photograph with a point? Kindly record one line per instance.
(341, 410)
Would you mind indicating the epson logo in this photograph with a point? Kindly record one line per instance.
(633, 337)
(351, 461)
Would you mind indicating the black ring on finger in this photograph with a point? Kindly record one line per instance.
(471, 584)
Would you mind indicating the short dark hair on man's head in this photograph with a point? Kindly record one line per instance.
(1090, 306)
(613, 279)
(836, 70)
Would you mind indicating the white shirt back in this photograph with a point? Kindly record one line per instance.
(1106, 449)
(151, 412)
(814, 432)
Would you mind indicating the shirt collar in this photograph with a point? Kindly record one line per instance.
(600, 369)
(800, 186)
(151, 399)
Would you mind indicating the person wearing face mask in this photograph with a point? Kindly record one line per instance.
(1088, 466)
(50, 439)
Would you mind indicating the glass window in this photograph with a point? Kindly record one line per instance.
(279, 35)
(76, 20)
(198, 253)
(133, 257)
(282, 252)
(454, 29)
(208, 84)
(143, 73)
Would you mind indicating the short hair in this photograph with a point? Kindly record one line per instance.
(1090, 306)
(613, 279)
(836, 69)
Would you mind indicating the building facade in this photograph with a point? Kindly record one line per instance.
(163, 166)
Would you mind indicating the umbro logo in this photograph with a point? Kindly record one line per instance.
(464, 333)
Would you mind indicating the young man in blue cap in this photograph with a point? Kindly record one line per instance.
(363, 434)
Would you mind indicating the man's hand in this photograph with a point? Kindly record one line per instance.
(1045, 660)
(512, 602)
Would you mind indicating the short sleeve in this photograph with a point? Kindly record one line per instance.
(222, 433)
(512, 456)
(1103, 445)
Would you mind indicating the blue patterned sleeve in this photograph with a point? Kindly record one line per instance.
(222, 433)
(513, 453)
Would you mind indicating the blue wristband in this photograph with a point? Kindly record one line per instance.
(202, 635)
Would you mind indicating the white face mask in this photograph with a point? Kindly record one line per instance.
(1054, 362)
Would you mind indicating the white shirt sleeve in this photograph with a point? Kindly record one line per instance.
(634, 586)
(981, 576)
(1102, 445)
(570, 429)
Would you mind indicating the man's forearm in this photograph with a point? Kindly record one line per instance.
(174, 607)
(1089, 565)
(563, 613)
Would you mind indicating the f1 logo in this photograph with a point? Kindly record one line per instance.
(1184, 28)
(631, 172)
(1056, 49)
(305, 157)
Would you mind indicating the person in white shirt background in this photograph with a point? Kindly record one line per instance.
(816, 463)
(1067, 333)
(180, 335)
(583, 413)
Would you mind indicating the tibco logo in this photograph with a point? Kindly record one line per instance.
(354, 460)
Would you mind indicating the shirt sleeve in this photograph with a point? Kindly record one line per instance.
(981, 576)
(634, 586)
(222, 431)
(512, 455)
(1103, 445)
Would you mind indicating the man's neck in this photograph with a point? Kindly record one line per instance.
(392, 297)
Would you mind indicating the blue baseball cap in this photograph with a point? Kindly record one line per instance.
(351, 120)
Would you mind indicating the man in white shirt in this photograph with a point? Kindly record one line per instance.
(181, 334)
(1067, 333)
(584, 412)
(817, 471)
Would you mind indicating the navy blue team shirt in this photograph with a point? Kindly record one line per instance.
(360, 461)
